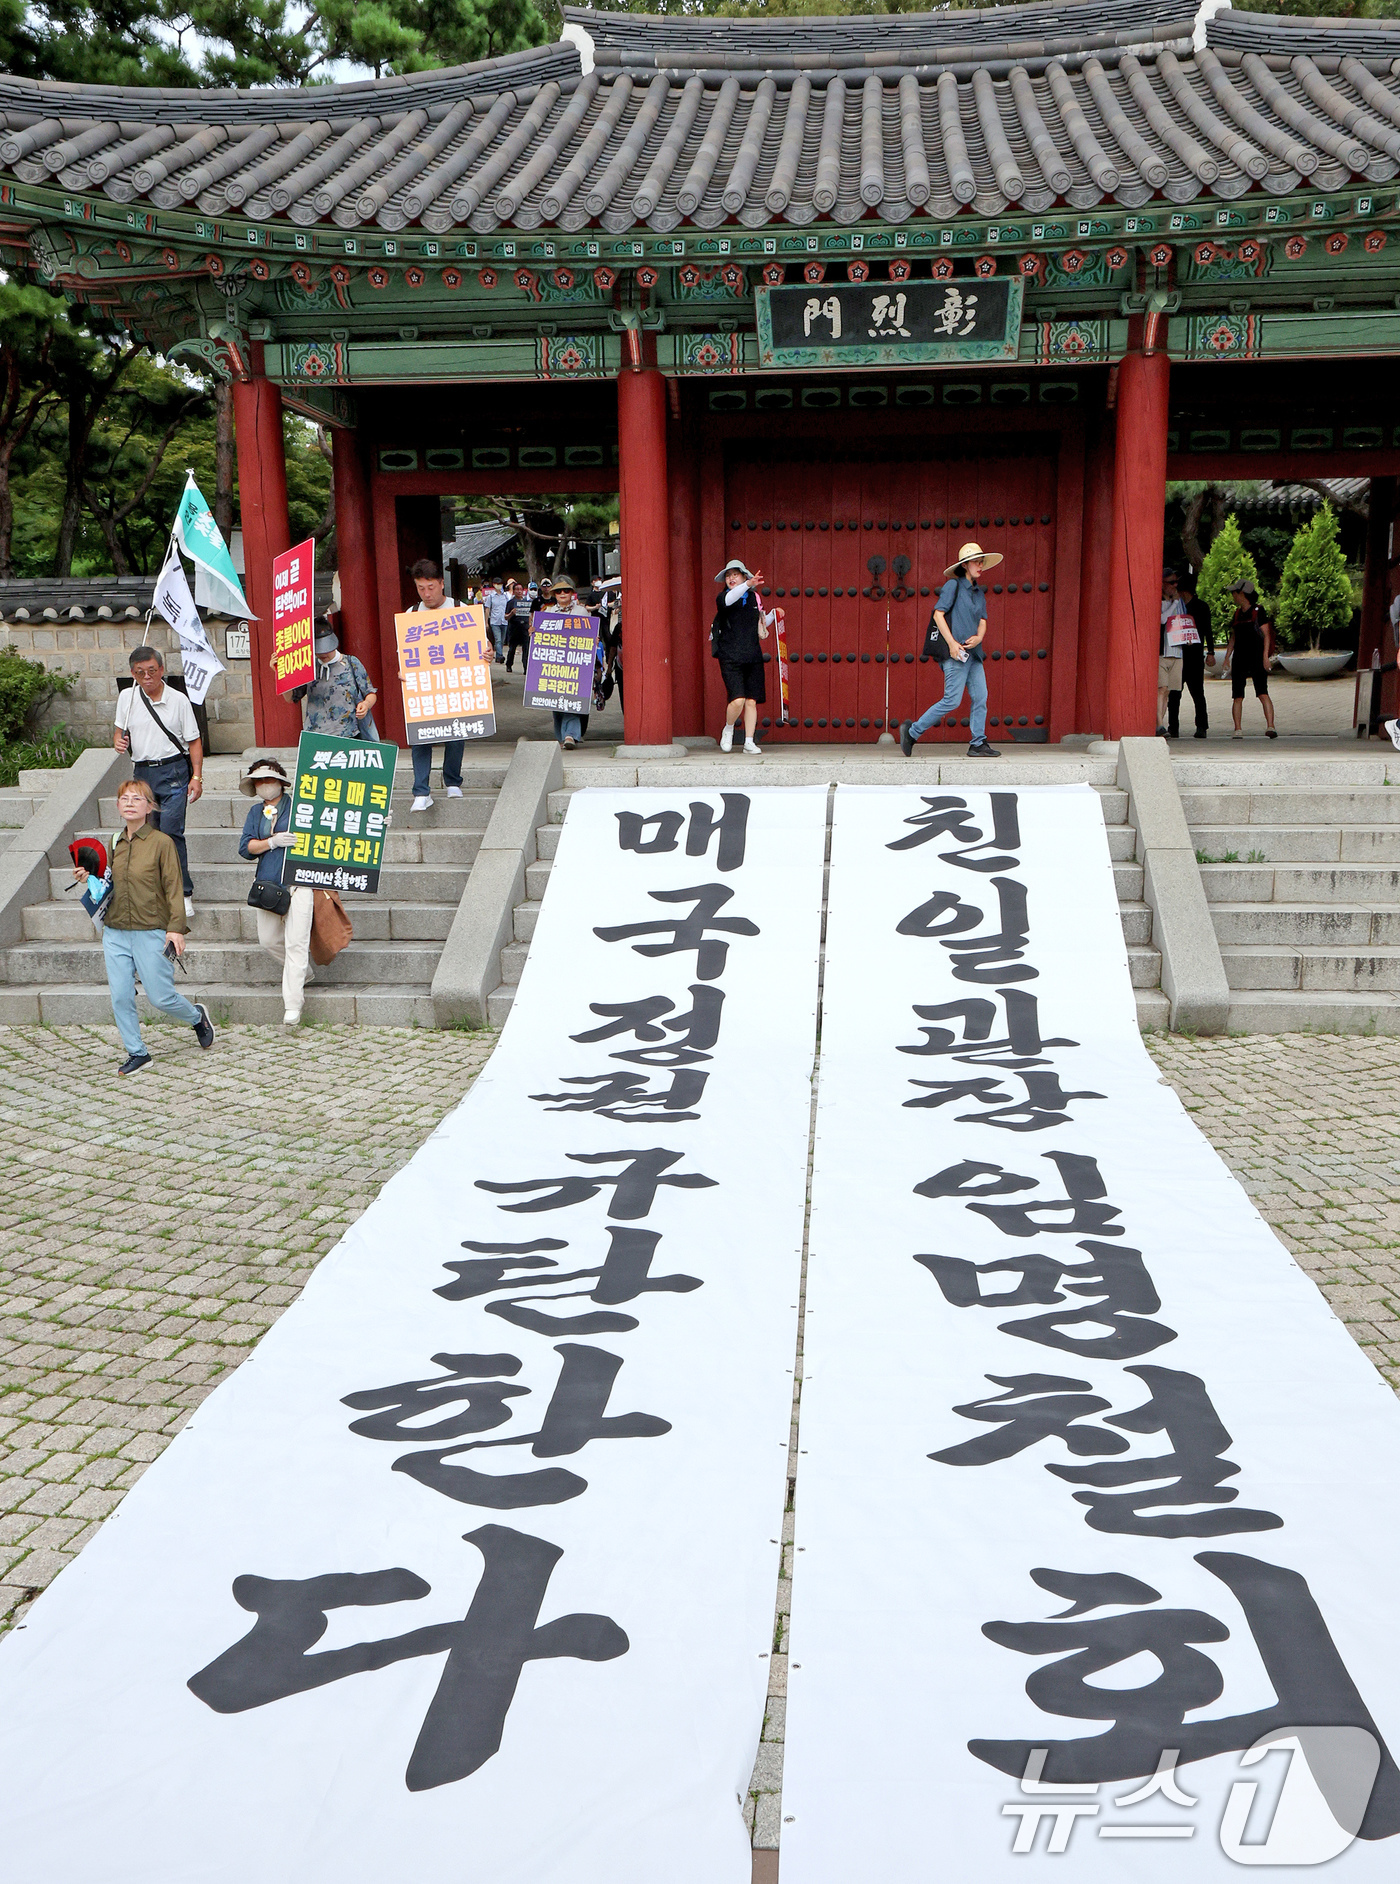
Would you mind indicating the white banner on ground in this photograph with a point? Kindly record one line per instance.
(469, 1571)
(1095, 1494)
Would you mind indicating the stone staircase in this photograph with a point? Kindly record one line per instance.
(1301, 868)
(382, 979)
(18, 803)
(1144, 961)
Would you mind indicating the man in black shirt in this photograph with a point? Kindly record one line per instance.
(1250, 655)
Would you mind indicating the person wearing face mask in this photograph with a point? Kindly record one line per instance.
(340, 700)
(284, 915)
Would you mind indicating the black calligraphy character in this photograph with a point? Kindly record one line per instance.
(634, 1188)
(688, 932)
(629, 1099)
(951, 817)
(623, 1275)
(1022, 1039)
(634, 832)
(946, 918)
(486, 1652)
(1046, 1102)
(1116, 1277)
(1080, 1205)
(1309, 1679)
(576, 1414)
(1034, 1407)
(696, 1030)
(1190, 1474)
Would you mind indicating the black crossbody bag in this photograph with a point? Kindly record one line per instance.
(178, 744)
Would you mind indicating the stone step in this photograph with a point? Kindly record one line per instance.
(547, 841)
(373, 920)
(513, 962)
(41, 780)
(228, 883)
(7, 837)
(1122, 842)
(1281, 772)
(1328, 970)
(931, 766)
(65, 1004)
(1279, 925)
(1128, 881)
(236, 964)
(402, 846)
(1153, 1010)
(1293, 806)
(536, 876)
(17, 808)
(526, 916)
(1285, 1011)
(483, 768)
(1136, 919)
(1299, 843)
(1144, 967)
(1367, 884)
(227, 811)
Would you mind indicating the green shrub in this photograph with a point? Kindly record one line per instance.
(1315, 599)
(55, 748)
(26, 688)
(1227, 560)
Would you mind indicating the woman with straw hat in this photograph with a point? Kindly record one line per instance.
(956, 631)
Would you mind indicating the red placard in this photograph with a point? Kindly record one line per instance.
(293, 588)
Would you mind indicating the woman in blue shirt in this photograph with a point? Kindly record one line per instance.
(956, 631)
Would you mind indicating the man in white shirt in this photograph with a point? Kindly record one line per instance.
(157, 726)
(497, 608)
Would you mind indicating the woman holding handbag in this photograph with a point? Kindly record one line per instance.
(284, 915)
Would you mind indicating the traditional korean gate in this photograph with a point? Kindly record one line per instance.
(855, 552)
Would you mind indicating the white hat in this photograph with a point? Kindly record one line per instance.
(734, 563)
(970, 553)
(263, 772)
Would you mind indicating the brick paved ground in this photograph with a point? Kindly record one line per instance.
(152, 1228)
(124, 1298)
(1310, 1125)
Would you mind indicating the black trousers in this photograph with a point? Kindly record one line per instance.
(1193, 678)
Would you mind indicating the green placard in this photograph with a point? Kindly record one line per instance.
(340, 805)
(889, 323)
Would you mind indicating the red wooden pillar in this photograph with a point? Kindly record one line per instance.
(687, 628)
(644, 523)
(1135, 555)
(1090, 710)
(1375, 590)
(354, 543)
(262, 504)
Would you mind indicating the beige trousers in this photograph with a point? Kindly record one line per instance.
(289, 939)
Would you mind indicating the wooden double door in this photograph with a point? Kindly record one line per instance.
(855, 552)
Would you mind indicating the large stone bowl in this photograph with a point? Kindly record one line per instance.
(1320, 666)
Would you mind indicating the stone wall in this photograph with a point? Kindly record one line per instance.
(97, 651)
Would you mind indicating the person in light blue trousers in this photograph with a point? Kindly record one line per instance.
(956, 632)
(144, 918)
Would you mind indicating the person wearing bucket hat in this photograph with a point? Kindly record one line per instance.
(284, 915)
(956, 631)
(735, 634)
(340, 699)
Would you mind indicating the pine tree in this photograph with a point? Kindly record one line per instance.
(1315, 596)
(1227, 560)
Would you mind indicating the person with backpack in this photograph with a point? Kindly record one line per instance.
(284, 914)
(1249, 656)
(157, 726)
(956, 631)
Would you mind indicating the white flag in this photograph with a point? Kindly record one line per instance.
(173, 602)
(200, 664)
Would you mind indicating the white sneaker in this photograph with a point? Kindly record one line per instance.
(752, 750)
(421, 804)
(291, 1020)
(454, 791)
(726, 739)
(1393, 728)
(1237, 735)
(189, 905)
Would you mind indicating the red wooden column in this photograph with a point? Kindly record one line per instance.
(1097, 545)
(262, 504)
(644, 523)
(354, 542)
(687, 628)
(1135, 554)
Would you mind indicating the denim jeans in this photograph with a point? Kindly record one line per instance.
(423, 766)
(497, 632)
(567, 726)
(169, 779)
(132, 952)
(956, 675)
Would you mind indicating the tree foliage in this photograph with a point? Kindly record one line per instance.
(1315, 593)
(1227, 561)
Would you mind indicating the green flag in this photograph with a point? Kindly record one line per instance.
(216, 580)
